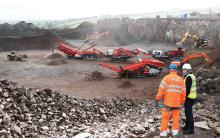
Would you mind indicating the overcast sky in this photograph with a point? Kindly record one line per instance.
(64, 9)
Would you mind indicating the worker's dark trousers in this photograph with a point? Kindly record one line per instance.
(189, 114)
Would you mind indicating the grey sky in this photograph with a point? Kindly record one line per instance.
(63, 9)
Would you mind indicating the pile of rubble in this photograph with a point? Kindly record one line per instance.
(95, 76)
(55, 55)
(55, 59)
(208, 80)
(207, 112)
(28, 113)
(126, 84)
(25, 112)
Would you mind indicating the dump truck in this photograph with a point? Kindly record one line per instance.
(168, 55)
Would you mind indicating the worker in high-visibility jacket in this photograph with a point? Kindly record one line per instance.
(172, 93)
(190, 82)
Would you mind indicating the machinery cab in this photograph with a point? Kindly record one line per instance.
(160, 55)
(201, 42)
(12, 52)
(109, 52)
(157, 53)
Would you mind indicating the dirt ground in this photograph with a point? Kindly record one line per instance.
(70, 77)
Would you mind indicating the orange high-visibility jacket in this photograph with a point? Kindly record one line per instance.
(172, 90)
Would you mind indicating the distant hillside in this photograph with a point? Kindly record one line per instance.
(19, 29)
(72, 23)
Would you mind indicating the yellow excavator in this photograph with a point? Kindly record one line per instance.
(199, 42)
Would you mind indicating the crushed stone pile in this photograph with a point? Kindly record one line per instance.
(95, 75)
(25, 112)
(28, 113)
(208, 80)
(126, 84)
(57, 61)
(207, 112)
(55, 55)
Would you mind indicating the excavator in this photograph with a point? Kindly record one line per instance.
(120, 54)
(144, 68)
(178, 53)
(193, 56)
(200, 42)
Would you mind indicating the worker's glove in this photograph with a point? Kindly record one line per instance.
(181, 106)
(156, 103)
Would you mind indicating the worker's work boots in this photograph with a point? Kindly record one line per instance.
(175, 136)
(188, 131)
(185, 127)
(175, 133)
(163, 134)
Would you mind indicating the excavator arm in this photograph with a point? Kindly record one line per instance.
(185, 37)
(193, 56)
(197, 55)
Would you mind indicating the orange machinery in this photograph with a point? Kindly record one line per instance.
(193, 56)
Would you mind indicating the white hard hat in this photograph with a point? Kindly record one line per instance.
(187, 66)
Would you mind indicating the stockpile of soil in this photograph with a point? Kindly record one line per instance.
(55, 55)
(96, 75)
(57, 61)
(43, 41)
(126, 84)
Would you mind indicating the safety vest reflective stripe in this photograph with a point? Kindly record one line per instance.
(184, 89)
(193, 93)
(173, 90)
(163, 85)
(174, 86)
